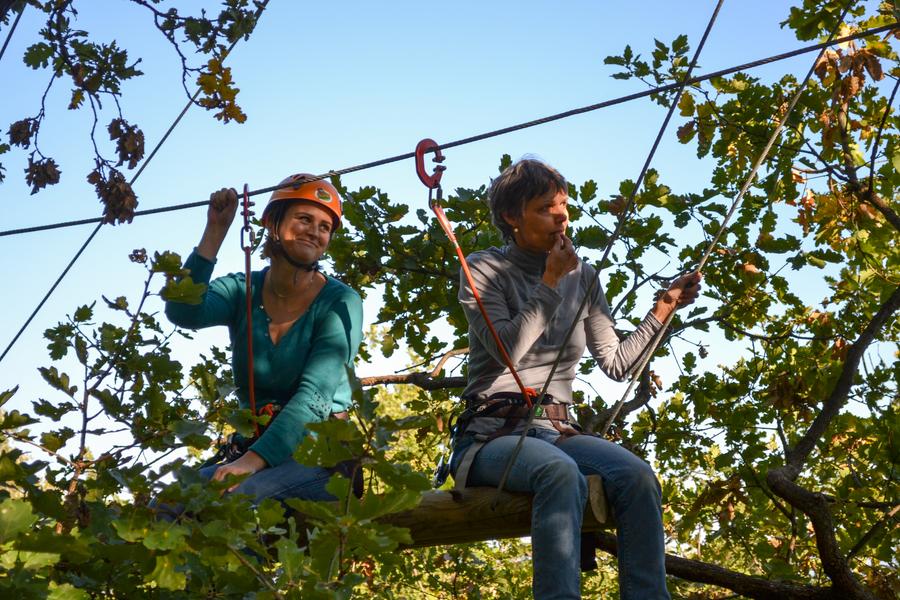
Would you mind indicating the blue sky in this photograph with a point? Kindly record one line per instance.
(329, 85)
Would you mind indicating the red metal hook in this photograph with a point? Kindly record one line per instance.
(434, 180)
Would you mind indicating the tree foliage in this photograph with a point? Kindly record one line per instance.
(97, 71)
(777, 446)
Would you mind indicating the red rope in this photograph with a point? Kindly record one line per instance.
(248, 249)
(527, 392)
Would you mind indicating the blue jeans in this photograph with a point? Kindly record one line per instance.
(555, 475)
(290, 479)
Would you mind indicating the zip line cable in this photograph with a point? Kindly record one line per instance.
(11, 31)
(494, 133)
(661, 334)
(623, 217)
(134, 178)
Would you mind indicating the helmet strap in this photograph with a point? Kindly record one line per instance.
(313, 266)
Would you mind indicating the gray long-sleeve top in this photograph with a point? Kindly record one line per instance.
(532, 319)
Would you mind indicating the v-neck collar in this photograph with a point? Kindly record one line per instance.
(257, 283)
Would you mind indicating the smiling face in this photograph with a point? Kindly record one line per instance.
(542, 221)
(305, 231)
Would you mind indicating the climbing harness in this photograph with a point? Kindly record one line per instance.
(236, 445)
(512, 407)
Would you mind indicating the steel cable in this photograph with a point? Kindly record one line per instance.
(660, 335)
(11, 31)
(408, 155)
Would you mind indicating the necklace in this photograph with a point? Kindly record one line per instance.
(281, 296)
(274, 290)
(277, 294)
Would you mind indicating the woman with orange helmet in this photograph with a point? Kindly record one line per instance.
(306, 327)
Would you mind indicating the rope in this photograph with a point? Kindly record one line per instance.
(496, 132)
(99, 221)
(622, 218)
(11, 31)
(399, 157)
(654, 344)
(527, 393)
(247, 246)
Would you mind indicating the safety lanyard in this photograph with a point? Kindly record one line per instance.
(433, 182)
(248, 240)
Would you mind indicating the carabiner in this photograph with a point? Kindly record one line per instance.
(433, 180)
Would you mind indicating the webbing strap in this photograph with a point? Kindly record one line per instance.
(465, 464)
(247, 247)
(527, 392)
(557, 414)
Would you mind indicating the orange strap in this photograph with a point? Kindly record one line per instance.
(247, 247)
(527, 392)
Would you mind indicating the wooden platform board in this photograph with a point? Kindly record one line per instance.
(453, 517)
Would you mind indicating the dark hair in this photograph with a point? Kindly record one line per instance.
(274, 215)
(519, 183)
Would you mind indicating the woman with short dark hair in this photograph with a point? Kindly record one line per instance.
(531, 289)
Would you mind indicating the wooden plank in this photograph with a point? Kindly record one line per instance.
(453, 517)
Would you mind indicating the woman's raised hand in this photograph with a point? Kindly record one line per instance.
(561, 259)
(222, 208)
(684, 290)
(219, 216)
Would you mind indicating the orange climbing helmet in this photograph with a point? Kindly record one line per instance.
(318, 192)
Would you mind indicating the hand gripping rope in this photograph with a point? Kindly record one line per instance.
(248, 241)
(433, 182)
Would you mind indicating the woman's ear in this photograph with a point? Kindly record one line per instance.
(511, 220)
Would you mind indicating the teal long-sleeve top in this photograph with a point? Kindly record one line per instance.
(303, 373)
